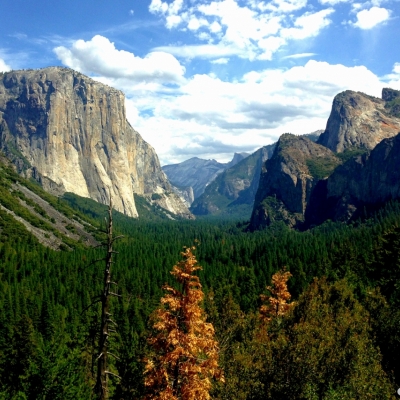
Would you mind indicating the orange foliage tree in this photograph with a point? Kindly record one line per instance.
(277, 303)
(185, 357)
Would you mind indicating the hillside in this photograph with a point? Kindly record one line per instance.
(26, 209)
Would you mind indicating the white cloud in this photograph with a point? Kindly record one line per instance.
(367, 19)
(3, 66)
(300, 55)
(308, 25)
(206, 116)
(203, 51)
(334, 2)
(269, 46)
(393, 80)
(207, 111)
(196, 23)
(99, 56)
(220, 61)
(170, 11)
(282, 5)
(255, 29)
(158, 6)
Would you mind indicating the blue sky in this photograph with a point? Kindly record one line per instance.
(207, 78)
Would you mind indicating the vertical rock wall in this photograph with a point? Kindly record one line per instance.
(71, 133)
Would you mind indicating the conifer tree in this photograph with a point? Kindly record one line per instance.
(185, 357)
(277, 303)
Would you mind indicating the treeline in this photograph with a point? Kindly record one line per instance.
(340, 341)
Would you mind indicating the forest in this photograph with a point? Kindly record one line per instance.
(338, 339)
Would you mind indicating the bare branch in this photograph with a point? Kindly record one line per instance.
(111, 373)
(98, 300)
(113, 355)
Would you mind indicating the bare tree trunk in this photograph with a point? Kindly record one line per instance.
(101, 387)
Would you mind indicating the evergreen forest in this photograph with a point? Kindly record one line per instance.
(340, 339)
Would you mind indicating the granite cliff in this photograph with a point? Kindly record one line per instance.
(303, 183)
(361, 121)
(71, 134)
(288, 179)
(363, 182)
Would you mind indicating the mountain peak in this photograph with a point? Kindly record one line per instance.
(360, 121)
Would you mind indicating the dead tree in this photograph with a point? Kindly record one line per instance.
(101, 388)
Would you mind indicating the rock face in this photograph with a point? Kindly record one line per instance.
(288, 179)
(186, 194)
(233, 191)
(71, 133)
(361, 121)
(370, 179)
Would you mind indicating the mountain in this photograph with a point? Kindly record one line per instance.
(361, 183)
(232, 192)
(288, 178)
(304, 184)
(70, 133)
(361, 121)
(197, 173)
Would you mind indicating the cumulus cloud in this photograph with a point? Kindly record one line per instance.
(3, 66)
(205, 115)
(99, 56)
(256, 109)
(368, 19)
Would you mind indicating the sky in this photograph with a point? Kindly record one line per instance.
(208, 78)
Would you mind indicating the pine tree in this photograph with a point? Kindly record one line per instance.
(185, 352)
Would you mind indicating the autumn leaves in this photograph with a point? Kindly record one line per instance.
(185, 357)
(185, 353)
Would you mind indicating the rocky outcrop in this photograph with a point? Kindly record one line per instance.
(364, 181)
(186, 194)
(288, 179)
(232, 192)
(361, 121)
(70, 133)
(237, 157)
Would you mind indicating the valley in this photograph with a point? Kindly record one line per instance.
(324, 207)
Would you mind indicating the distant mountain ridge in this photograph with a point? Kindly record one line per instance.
(232, 192)
(197, 173)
